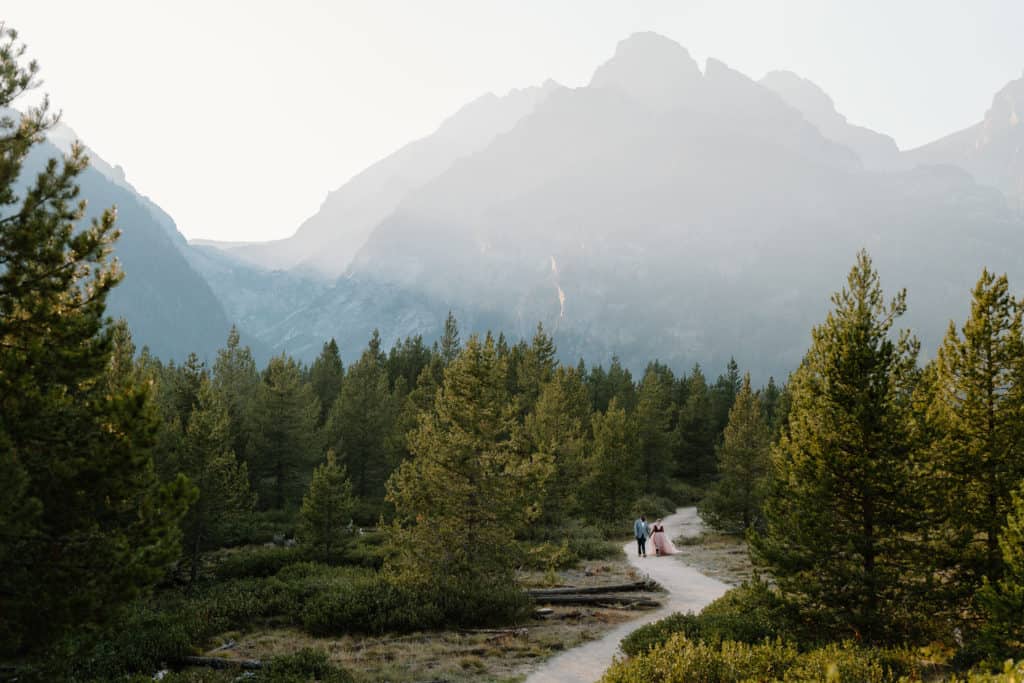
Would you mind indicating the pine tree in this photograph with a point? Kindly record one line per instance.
(468, 490)
(616, 382)
(326, 375)
(184, 386)
(839, 520)
(977, 411)
(358, 429)
(771, 396)
(1003, 601)
(285, 443)
(222, 482)
(534, 370)
(90, 526)
(559, 429)
(695, 440)
(734, 502)
(450, 344)
(724, 393)
(236, 379)
(613, 470)
(407, 360)
(325, 520)
(654, 413)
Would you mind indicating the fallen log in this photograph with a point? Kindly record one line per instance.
(519, 631)
(223, 663)
(599, 599)
(636, 586)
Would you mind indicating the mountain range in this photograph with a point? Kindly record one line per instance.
(660, 211)
(169, 306)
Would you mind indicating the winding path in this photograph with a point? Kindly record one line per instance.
(688, 591)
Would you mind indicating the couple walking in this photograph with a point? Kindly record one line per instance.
(656, 532)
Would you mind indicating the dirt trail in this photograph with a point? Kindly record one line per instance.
(688, 590)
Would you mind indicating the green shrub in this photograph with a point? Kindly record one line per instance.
(657, 633)
(265, 526)
(371, 604)
(258, 561)
(1011, 673)
(588, 542)
(376, 603)
(143, 638)
(841, 664)
(653, 507)
(549, 556)
(683, 493)
(368, 551)
(751, 613)
(305, 665)
(681, 660)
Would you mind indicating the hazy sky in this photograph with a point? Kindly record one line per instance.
(239, 117)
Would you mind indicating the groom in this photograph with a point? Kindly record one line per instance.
(641, 531)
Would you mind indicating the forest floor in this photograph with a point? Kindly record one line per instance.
(572, 644)
(719, 556)
(461, 656)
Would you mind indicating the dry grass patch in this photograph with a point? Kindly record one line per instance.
(721, 556)
(495, 655)
(454, 656)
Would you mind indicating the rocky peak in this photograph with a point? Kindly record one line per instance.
(804, 96)
(1007, 110)
(650, 68)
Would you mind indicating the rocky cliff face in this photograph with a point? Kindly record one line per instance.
(876, 151)
(991, 150)
(169, 307)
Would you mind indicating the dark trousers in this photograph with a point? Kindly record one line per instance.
(641, 545)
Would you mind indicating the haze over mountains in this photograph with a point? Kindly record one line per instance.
(660, 211)
(169, 306)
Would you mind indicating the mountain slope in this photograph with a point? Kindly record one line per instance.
(991, 150)
(169, 307)
(689, 218)
(325, 243)
(877, 151)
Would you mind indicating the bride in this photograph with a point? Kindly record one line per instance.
(662, 543)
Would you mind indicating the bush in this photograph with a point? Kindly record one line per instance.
(260, 561)
(264, 526)
(143, 638)
(653, 507)
(752, 613)
(588, 542)
(681, 660)
(549, 556)
(1011, 673)
(377, 603)
(305, 665)
(684, 493)
(842, 664)
(369, 550)
(651, 635)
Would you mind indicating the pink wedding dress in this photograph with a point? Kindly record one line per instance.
(662, 543)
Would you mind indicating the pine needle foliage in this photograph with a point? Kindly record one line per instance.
(840, 514)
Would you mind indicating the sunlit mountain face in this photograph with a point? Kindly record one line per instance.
(663, 210)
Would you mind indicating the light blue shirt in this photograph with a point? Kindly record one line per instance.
(640, 529)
